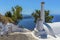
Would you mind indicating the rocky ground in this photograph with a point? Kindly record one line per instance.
(25, 36)
(18, 36)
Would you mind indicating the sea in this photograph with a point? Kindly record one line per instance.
(28, 21)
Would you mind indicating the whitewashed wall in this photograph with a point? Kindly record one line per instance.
(55, 26)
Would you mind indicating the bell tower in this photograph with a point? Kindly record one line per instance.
(42, 15)
(40, 31)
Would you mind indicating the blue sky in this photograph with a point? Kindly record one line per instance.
(30, 6)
